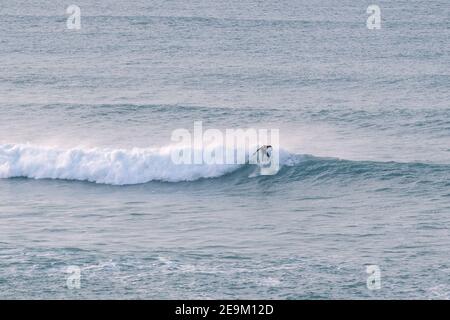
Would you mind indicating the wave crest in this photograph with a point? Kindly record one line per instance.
(101, 165)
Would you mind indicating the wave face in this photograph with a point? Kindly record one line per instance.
(142, 165)
(106, 166)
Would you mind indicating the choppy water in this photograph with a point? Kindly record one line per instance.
(364, 119)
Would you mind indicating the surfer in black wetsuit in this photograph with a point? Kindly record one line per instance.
(265, 150)
(263, 154)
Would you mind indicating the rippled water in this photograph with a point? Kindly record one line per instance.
(364, 121)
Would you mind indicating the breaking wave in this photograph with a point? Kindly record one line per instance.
(142, 165)
(101, 165)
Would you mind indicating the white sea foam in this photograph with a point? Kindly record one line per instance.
(107, 166)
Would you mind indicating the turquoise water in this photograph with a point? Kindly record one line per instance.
(364, 128)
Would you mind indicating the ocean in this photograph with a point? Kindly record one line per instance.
(87, 189)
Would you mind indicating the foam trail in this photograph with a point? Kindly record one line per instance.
(106, 166)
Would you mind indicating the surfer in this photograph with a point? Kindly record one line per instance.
(265, 151)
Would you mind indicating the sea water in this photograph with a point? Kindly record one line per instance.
(88, 190)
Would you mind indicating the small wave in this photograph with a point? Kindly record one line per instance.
(100, 165)
(106, 166)
(142, 165)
